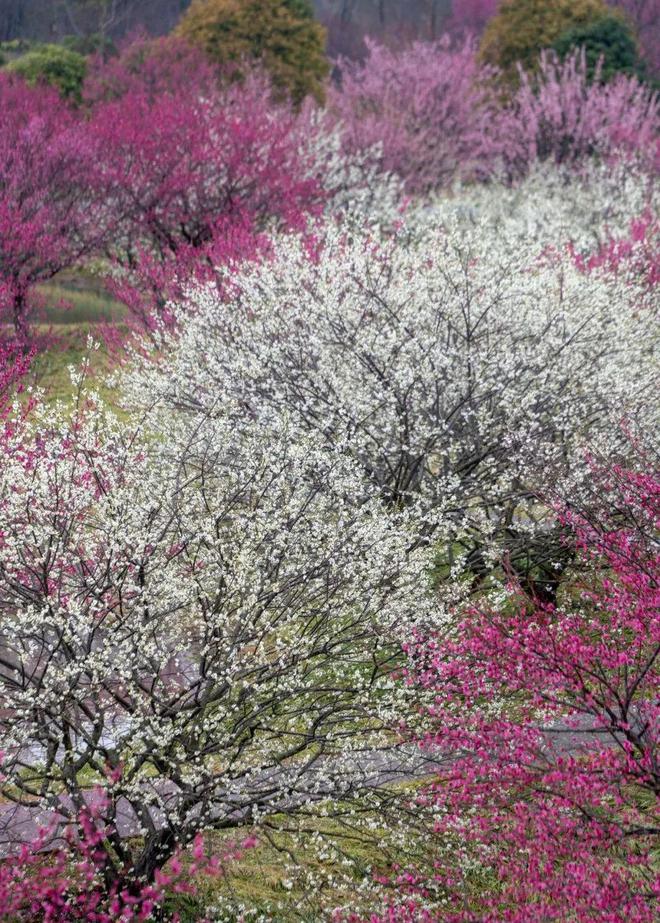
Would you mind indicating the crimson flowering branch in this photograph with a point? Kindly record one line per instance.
(14, 366)
(551, 719)
(63, 875)
(636, 255)
(197, 174)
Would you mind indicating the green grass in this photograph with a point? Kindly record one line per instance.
(291, 876)
(80, 297)
(76, 306)
(50, 367)
(66, 305)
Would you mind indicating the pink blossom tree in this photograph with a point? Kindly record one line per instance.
(151, 67)
(549, 718)
(426, 107)
(48, 218)
(196, 174)
(559, 115)
(431, 114)
(62, 875)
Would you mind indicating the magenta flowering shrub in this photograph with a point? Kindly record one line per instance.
(549, 719)
(48, 220)
(560, 115)
(635, 256)
(196, 179)
(151, 67)
(62, 875)
(151, 282)
(167, 174)
(427, 107)
(14, 366)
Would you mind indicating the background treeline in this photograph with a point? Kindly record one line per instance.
(346, 20)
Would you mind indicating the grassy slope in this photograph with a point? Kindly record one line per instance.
(75, 308)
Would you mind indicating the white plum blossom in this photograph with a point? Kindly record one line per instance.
(210, 615)
(550, 207)
(464, 370)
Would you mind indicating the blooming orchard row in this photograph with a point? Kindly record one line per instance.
(165, 173)
(377, 502)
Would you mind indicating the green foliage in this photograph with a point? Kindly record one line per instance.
(15, 46)
(90, 44)
(610, 40)
(281, 34)
(303, 9)
(523, 28)
(55, 65)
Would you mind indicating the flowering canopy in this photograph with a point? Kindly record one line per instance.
(47, 219)
(453, 368)
(190, 616)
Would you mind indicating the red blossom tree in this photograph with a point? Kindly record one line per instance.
(550, 719)
(196, 169)
(151, 67)
(62, 875)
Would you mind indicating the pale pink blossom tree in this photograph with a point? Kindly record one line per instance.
(431, 113)
(560, 115)
(426, 107)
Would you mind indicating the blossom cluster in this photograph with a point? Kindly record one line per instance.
(549, 715)
(201, 618)
(450, 363)
(169, 169)
(438, 117)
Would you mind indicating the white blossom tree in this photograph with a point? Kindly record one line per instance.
(551, 207)
(200, 619)
(461, 369)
